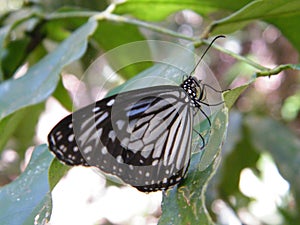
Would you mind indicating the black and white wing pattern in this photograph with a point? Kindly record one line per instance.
(142, 136)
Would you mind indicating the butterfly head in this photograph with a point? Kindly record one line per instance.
(194, 89)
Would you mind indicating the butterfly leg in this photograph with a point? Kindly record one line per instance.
(202, 139)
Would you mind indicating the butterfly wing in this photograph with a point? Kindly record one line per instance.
(142, 136)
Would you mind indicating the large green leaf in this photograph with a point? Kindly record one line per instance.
(41, 79)
(120, 34)
(159, 9)
(259, 9)
(283, 13)
(186, 205)
(288, 26)
(27, 200)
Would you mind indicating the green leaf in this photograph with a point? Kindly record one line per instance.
(3, 34)
(121, 34)
(287, 26)
(15, 54)
(91, 4)
(62, 95)
(258, 10)
(8, 125)
(56, 171)
(29, 195)
(217, 136)
(41, 79)
(185, 204)
(231, 96)
(23, 130)
(26, 129)
(158, 10)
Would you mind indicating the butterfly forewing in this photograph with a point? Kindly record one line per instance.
(142, 136)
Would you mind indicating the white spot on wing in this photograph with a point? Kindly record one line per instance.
(120, 124)
(119, 159)
(71, 138)
(112, 135)
(87, 150)
(104, 150)
(111, 102)
(59, 137)
(96, 109)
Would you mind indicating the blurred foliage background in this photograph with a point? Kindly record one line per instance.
(258, 178)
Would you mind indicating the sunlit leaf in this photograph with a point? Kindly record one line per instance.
(256, 10)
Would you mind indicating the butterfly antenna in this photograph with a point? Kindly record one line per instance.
(211, 43)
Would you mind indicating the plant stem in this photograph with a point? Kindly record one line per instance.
(196, 41)
(277, 70)
(108, 15)
(63, 15)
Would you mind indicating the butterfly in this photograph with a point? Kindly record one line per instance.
(142, 136)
